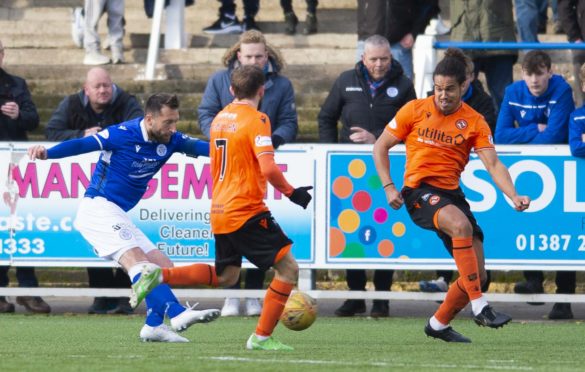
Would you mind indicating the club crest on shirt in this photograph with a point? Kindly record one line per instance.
(161, 150)
(461, 124)
(125, 234)
(392, 92)
(434, 199)
(262, 141)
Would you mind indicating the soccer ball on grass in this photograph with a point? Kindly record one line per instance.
(299, 312)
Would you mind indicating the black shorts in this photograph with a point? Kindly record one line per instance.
(425, 201)
(259, 240)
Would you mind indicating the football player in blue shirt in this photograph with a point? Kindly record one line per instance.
(131, 154)
(577, 124)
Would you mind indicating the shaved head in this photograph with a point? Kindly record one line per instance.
(98, 88)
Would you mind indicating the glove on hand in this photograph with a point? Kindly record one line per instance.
(301, 197)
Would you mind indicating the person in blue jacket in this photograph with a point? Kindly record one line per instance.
(577, 124)
(536, 110)
(278, 103)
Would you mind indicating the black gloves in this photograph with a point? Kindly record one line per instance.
(301, 197)
(277, 141)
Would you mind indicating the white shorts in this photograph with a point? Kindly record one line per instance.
(109, 229)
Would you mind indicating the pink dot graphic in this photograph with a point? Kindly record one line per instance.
(361, 201)
(380, 215)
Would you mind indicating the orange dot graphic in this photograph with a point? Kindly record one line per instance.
(386, 248)
(399, 229)
(342, 187)
(348, 221)
(357, 168)
(336, 242)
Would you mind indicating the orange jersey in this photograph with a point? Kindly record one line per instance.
(239, 135)
(438, 145)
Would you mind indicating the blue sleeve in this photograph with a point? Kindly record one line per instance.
(557, 127)
(210, 105)
(194, 147)
(74, 147)
(286, 125)
(576, 131)
(506, 131)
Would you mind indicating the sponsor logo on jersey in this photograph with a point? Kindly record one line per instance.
(137, 148)
(161, 150)
(393, 124)
(432, 135)
(353, 89)
(122, 127)
(461, 124)
(262, 141)
(426, 196)
(392, 92)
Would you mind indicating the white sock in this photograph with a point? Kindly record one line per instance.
(478, 304)
(262, 338)
(436, 325)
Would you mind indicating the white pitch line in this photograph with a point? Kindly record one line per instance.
(373, 364)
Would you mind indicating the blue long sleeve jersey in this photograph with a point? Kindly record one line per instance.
(576, 131)
(128, 160)
(552, 108)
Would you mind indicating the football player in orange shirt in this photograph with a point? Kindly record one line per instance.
(439, 133)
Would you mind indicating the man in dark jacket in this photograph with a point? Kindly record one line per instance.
(98, 105)
(572, 20)
(18, 115)
(366, 98)
(399, 21)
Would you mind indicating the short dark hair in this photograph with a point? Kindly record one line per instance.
(452, 66)
(246, 80)
(155, 103)
(536, 60)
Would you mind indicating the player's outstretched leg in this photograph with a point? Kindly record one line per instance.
(149, 278)
(438, 326)
(448, 334)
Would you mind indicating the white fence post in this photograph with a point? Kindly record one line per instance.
(424, 60)
(153, 44)
(175, 25)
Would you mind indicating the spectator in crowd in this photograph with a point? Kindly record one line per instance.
(480, 101)
(365, 99)
(93, 11)
(228, 22)
(531, 18)
(536, 110)
(98, 105)
(431, 192)
(487, 20)
(291, 21)
(577, 124)
(573, 23)
(131, 154)
(278, 103)
(399, 21)
(18, 114)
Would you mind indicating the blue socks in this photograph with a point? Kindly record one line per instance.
(159, 301)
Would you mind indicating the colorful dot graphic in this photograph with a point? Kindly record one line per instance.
(374, 182)
(336, 242)
(357, 168)
(380, 215)
(348, 221)
(342, 187)
(386, 248)
(361, 201)
(398, 229)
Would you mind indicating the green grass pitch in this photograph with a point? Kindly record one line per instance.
(110, 343)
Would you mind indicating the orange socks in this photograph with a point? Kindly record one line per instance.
(466, 262)
(455, 300)
(274, 301)
(196, 274)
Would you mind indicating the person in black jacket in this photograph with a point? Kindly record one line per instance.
(18, 114)
(572, 20)
(99, 104)
(399, 21)
(365, 99)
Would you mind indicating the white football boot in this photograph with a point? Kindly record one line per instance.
(189, 317)
(161, 333)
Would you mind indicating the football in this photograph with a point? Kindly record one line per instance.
(299, 312)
